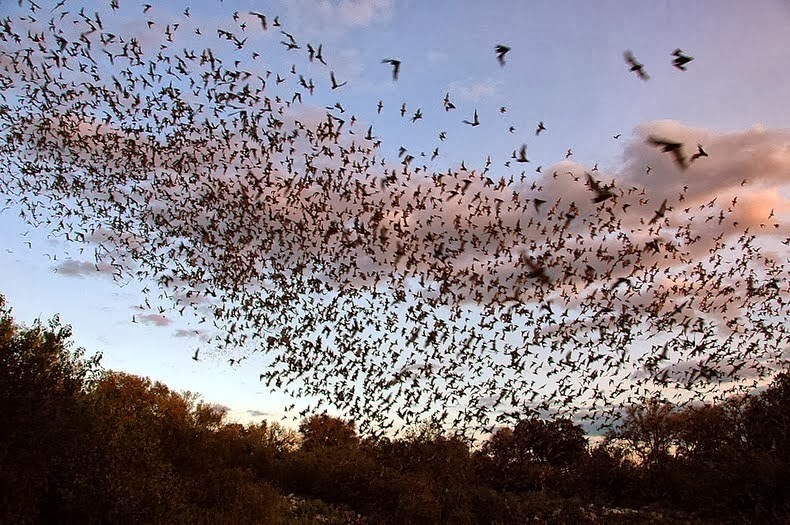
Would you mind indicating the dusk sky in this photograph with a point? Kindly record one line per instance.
(565, 68)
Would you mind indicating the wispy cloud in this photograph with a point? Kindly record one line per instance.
(433, 55)
(333, 16)
(474, 89)
(183, 332)
(154, 319)
(360, 12)
(73, 268)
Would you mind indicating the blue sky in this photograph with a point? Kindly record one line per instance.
(565, 68)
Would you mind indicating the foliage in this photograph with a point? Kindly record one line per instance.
(323, 430)
(648, 431)
(78, 444)
(41, 381)
(532, 455)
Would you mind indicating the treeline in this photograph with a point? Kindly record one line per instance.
(79, 444)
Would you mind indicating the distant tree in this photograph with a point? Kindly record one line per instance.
(649, 431)
(273, 435)
(767, 418)
(520, 458)
(439, 476)
(607, 474)
(323, 430)
(704, 432)
(766, 477)
(329, 463)
(267, 446)
(429, 452)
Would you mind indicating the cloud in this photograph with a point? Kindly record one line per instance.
(154, 319)
(474, 89)
(434, 56)
(758, 155)
(73, 268)
(257, 413)
(182, 332)
(337, 15)
(361, 12)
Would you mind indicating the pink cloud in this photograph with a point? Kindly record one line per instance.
(154, 319)
(72, 268)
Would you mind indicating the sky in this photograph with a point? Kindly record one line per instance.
(565, 68)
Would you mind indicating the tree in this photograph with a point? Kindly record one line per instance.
(166, 457)
(607, 474)
(273, 435)
(649, 431)
(139, 438)
(767, 418)
(703, 433)
(323, 430)
(42, 381)
(767, 428)
(521, 458)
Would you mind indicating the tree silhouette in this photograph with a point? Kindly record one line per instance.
(649, 431)
(323, 430)
(522, 458)
(768, 418)
(41, 381)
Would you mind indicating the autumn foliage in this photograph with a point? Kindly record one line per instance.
(79, 444)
